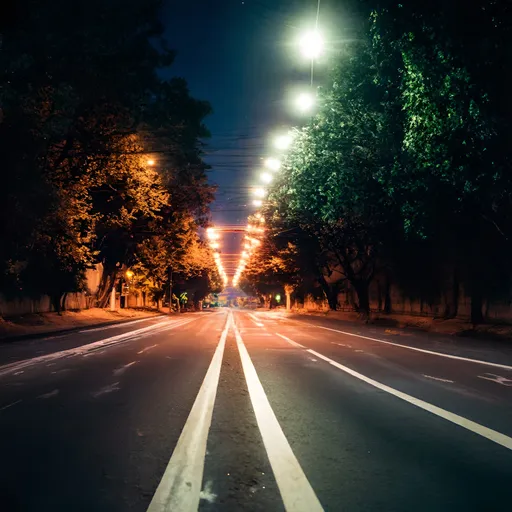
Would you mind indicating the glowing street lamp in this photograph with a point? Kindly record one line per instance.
(150, 162)
(212, 234)
(129, 274)
(283, 141)
(266, 177)
(273, 164)
(259, 192)
(312, 44)
(257, 203)
(305, 102)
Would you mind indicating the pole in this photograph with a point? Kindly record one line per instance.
(316, 29)
(113, 298)
(170, 289)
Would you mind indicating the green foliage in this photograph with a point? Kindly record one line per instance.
(405, 168)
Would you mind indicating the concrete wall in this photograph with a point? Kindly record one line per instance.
(24, 306)
(80, 300)
(494, 311)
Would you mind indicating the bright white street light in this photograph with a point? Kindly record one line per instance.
(257, 203)
(259, 192)
(305, 102)
(266, 177)
(212, 234)
(283, 141)
(312, 44)
(273, 164)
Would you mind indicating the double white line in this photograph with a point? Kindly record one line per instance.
(180, 487)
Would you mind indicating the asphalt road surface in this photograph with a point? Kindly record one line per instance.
(257, 411)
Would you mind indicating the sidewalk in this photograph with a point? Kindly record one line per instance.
(452, 327)
(45, 323)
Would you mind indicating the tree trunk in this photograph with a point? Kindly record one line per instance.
(55, 300)
(455, 295)
(63, 301)
(476, 305)
(379, 296)
(387, 297)
(108, 280)
(288, 292)
(363, 298)
(332, 298)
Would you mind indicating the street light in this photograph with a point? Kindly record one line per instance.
(266, 177)
(312, 44)
(129, 274)
(259, 192)
(273, 164)
(283, 141)
(257, 203)
(151, 162)
(305, 102)
(212, 234)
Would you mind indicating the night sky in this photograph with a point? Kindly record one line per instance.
(240, 56)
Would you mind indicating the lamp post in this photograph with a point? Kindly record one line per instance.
(170, 289)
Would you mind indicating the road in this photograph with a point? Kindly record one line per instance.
(252, 410)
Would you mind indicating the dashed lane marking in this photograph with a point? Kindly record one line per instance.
(122, 369)
(481, 430)
(438, 378)
(255, 319)
(107, 389)
(431, 352)
(9, 405)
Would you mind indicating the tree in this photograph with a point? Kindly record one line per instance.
(83, 108)
(331, 186)
(453, 175)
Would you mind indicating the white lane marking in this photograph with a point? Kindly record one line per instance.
(180, 487)
(55, 392)
(255, 319)
(90, 347)
(496, 378)
(119, 324)
(54, 337)
(122, 369)
(291, 342)
(206, 494)
(296, 491)
(431, 352)
(10, 405)
(488, 433)
(107, 389)
(145, 349)
(312, 359)
(438, 378)
(341, 344)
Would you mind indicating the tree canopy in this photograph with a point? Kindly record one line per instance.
(102, 157)
(404, 170)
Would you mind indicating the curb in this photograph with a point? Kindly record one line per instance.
(61, 332)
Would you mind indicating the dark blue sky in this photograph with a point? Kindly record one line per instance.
(239, 55)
